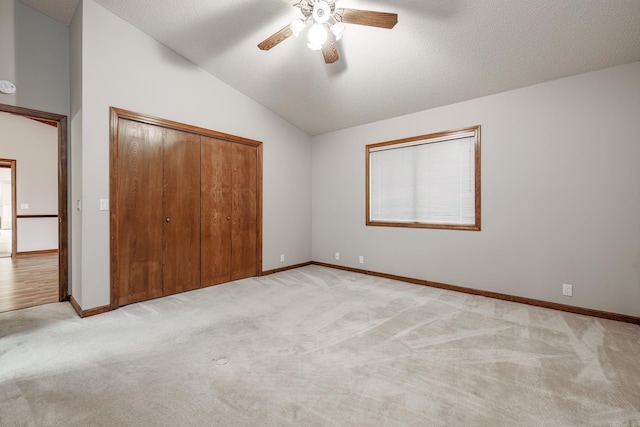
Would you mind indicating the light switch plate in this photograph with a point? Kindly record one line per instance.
(104, 204)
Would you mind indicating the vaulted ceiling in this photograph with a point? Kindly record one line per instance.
(439, 53)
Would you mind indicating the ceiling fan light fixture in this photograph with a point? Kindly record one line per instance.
(338, 29)
(317, 36)
(297, 26)
(327, 25)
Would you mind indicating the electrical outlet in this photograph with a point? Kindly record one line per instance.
(282, 258)
(361, 259)
(567, 290)
(337, 255)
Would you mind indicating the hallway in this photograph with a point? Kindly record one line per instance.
(27, 281)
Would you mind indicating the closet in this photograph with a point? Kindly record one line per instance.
(185, 210)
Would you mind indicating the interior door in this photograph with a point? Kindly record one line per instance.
(244, 211)
(229, 211)
(216, 211)
(139, 205)
(181, 222)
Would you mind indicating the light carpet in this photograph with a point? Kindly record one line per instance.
(317, 346)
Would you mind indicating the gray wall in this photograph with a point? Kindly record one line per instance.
(560, 198)
(75, 153)
(122, 67)
(35, 57)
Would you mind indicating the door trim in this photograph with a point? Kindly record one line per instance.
(115, 115)
(63, 188)
(11, 163)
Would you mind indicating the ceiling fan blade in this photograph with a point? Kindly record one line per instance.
(367, 17)
(329, 50)
(276, 38)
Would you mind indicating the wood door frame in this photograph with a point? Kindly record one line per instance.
(60, 122)
(115, 115)
(11, 163)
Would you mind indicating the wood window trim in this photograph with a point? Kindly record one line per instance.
(452, 134)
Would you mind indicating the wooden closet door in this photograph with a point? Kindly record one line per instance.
(186, 208)
(229, 211)
(244, 211)
(216, 211)
(181, 183)
(139, 206)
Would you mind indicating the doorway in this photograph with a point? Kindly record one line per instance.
(7, 208)
(62, 256)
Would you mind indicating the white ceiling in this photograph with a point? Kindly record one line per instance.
(439, 53)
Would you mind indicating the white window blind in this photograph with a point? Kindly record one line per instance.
(425, 181)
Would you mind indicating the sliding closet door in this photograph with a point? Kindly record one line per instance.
(244, 210)
(139, 207)
(216, 211)
(181, 184)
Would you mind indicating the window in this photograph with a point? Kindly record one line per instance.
(428, 181)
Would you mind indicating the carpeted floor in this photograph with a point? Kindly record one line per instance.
(318, 347)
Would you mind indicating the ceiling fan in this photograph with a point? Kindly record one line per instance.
(327, 25)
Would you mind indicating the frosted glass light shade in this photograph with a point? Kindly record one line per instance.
(317, 35)
(338, 29)
(297, 26)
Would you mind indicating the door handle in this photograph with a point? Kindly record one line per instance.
(168, 219)
(228, 218)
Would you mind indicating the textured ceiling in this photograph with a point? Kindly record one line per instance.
(439, 53)
(60, 10)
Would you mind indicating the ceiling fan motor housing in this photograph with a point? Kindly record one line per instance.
(321, 12)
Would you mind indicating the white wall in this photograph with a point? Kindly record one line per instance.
(34, 147)
(6, 222)
(36, 234)
(560, 195)
(122, 67)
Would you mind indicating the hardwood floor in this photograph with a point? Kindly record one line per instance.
(28, 281)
